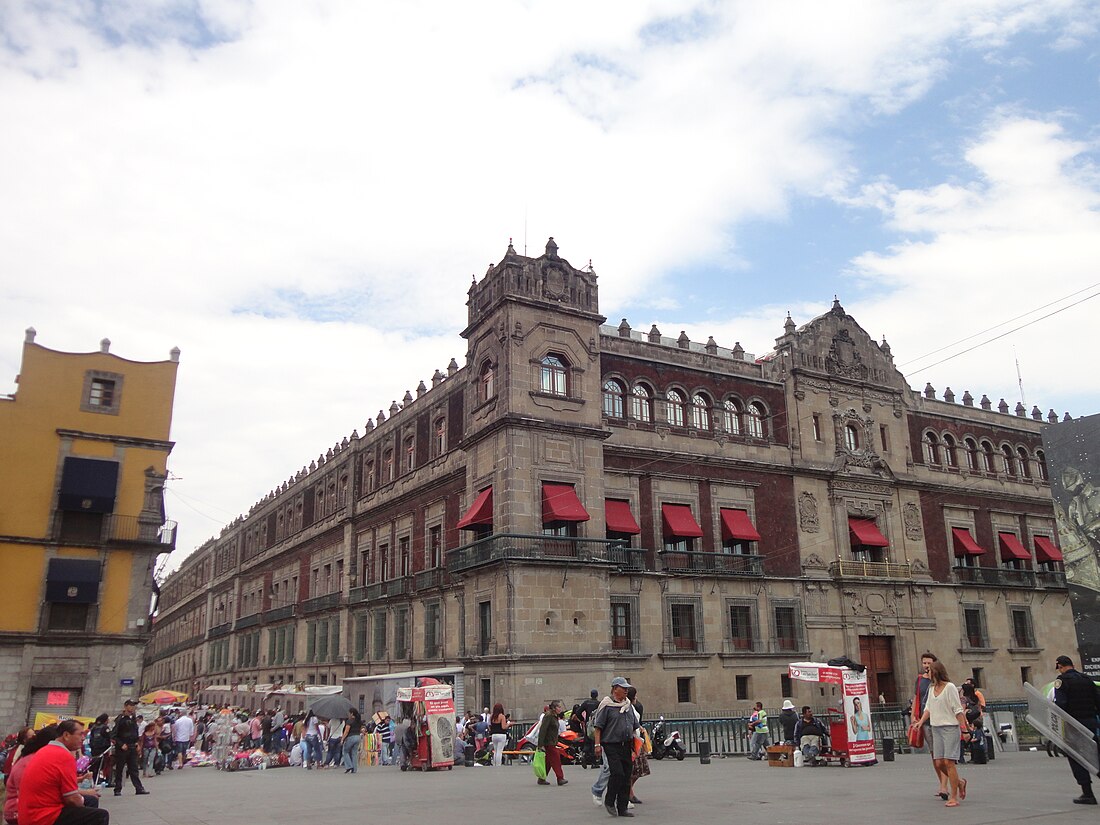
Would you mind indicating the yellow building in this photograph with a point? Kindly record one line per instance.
(83, 452)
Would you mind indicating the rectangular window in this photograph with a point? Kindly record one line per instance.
(406, 558)
(683, 628)
(1025, 675)
(384, 561)
(485, 627)
(101, 393)
(742, 627)
(401, 633)
(63, 616)
(974, 626)
(1022, 633)
(621, 627)
(785, 688)
(883, 439)
(685, 689)
(335, 639)
(787, 626)
(817, 427)
(431, 630)
(977, 674)
(742, 685)
(360, 638)
(486, 693)
(435, 546)
(322, 641)
(379, 642)
(311, 641)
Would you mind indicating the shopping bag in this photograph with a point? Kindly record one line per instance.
(916, 736)
(538, 764)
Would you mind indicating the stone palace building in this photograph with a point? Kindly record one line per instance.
(580, 500)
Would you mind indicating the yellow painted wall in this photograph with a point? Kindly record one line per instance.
(48, 398)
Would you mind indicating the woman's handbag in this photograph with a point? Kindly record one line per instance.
(916, 736)
(538, 764)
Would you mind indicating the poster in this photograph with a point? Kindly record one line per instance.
(435, 709)
(856, 707)
(1073, 463)
(43, 719)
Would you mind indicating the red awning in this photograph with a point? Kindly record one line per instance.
(1011, 548)
(864, 531)
(480, 512)
(679, 521)
(1045, 550)
(560, 503)
(965, 544)
(737, 525)
(619, 518)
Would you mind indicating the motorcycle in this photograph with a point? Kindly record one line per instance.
(666, 743)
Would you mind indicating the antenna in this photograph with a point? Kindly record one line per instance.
(1019, 377)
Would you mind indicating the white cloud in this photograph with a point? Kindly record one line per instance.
(174, 170)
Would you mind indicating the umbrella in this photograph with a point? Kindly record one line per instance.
(332, 707)
(163, 697)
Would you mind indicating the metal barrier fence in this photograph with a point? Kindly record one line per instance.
(728, 732)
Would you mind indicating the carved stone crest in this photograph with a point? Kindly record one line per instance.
(910, 515)
(808, 518)
(814, 562)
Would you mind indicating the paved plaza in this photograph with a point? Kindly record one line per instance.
(1015, 787)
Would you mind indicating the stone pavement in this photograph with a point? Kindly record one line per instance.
(1015, 787)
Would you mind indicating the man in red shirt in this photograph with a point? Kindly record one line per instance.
(48, 794)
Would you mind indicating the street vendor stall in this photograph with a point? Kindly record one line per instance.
(432, 711)
(852, 739)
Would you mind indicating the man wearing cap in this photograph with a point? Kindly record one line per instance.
(614, 729)
(1076, 694)
(125, 740)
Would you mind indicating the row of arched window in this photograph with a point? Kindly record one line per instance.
(397, 464)
(732, 416)
(982, 456)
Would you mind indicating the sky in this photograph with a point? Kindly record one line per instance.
(297, 194)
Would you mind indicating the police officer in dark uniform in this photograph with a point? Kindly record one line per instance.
(1076, 694)
(125, 739)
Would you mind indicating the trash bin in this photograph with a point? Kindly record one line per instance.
(887, 749)
(704, 753)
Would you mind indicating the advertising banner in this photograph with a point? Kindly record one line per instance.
(857, 713)
(43, 719)
(438, 714)
(1073, 462)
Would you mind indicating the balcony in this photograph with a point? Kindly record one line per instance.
(854, 569)
(358, 595)
(325, 602)
(1010, 577)
(247, 621)
(219, 630)
(714, 564)
(277, 614)
(514, 547)
(427, 579)
(95, 528)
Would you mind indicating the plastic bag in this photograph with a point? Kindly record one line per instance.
(538, 764)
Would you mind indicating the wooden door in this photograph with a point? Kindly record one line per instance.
(877, 653)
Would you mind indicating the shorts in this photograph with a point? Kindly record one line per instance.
(946, 743)
(181, 747)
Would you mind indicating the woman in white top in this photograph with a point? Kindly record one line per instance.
(944, 712)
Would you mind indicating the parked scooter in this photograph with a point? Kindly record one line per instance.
(666, 743)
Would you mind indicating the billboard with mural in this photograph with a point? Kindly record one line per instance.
(1073, 460)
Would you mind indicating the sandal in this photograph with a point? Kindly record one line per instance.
(951, 803)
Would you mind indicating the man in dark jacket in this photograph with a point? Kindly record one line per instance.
(1076, 694)
(125, 739)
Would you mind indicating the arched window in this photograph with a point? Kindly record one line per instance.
(612, 398)
(320, 504)
(931, 449)
(641, 404)
(342, 492)
(700, 412)
(368, 476)
(754, 420)
(280, 527)
(987, 458)
(674, 404)
(440, 436)
(1024, 461)
(971, 454)
(330, 505)
(387, 466)
(731, 416)
(950, 451)
(1041, 464)
(552, 375)
(410, 454)
(1007, 463)
(851, 437)
(487, 387)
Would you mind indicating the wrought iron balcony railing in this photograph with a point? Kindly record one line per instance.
(855, 569)
(251, 620)
(516, 547)
(276, 614)
(715, 564)
(319, 603)
(1009, 577)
